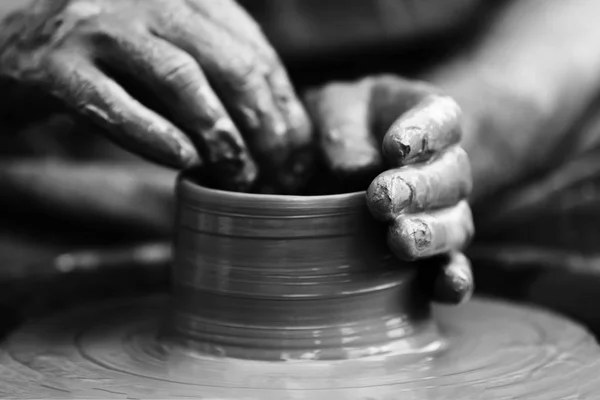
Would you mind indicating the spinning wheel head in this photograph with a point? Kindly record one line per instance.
(487, 351)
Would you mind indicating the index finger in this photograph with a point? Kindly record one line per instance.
(428, 128)
(412, 119)
(90, 92)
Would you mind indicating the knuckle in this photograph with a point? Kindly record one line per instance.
(270, 60)
(101, 28)
(92, 103)
(101, 115)
(245, 73)
(178, 69)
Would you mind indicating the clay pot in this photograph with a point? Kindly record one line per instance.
(289, 277)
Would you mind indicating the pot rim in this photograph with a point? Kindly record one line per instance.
(192, 189)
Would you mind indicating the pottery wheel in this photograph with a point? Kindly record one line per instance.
(286, 297)
(487, 350)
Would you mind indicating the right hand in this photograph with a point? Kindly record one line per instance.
(179, 82)
(401, 138)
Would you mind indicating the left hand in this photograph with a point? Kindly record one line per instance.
(424, 175)
(179, 82)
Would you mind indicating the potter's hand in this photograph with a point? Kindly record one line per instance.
(422, 191)
(205, 62)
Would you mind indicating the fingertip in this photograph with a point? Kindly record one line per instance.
(188, 156)
(238, 177)
(156, 139)
(387, 195)
(429, 127)
(395, 148)
(409, 238)
(378, 200)
(427, 234)
(454, 283)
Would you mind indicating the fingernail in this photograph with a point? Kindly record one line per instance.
(404, 144)
(388, 195)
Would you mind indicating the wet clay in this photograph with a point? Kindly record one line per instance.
(486, 350)
(286, 277)
(282, 297)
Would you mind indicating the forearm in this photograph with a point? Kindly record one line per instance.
(527, 81)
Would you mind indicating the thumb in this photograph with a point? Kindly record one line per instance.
(341, 113)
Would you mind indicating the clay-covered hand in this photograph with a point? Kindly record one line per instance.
(403, 138)
(180, 82)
